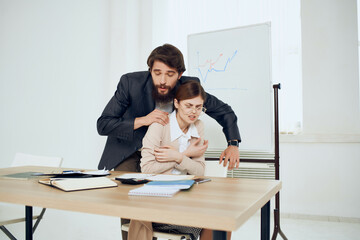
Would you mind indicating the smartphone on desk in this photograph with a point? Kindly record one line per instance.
(132, 181)
(201, 180)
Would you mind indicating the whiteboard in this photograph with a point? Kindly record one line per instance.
(235, 66)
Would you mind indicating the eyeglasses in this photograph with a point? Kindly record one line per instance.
(190, 108)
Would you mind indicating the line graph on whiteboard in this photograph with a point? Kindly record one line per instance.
(207, 67)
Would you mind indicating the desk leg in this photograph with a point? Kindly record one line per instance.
(28, 222)
(265, 221)
(219, 235)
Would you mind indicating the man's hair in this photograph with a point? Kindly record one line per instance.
(190, 89)
(168, 54)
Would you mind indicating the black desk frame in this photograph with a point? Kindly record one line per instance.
(218, 235)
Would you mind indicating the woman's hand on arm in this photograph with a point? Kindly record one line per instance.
(168, 154)
(196, 148)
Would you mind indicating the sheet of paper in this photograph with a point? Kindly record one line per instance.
(135, 175)
(98, 172)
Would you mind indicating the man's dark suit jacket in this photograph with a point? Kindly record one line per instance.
(132, 99)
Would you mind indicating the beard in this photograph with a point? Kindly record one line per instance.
(163, 98)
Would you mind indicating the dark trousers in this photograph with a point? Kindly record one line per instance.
(131, 164)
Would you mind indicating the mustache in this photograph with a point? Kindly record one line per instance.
(162, 86)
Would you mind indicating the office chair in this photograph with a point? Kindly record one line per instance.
(170, 236)
(22, 159)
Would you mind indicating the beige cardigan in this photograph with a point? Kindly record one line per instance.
(159, 135)
(140, 230)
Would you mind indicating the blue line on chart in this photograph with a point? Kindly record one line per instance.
(213, 69)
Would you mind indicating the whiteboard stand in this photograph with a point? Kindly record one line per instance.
(277, 229)
(275, 161)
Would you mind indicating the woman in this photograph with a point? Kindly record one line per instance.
(165, 150)
(165, 147)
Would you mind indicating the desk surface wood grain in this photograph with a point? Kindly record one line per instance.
(222, 204)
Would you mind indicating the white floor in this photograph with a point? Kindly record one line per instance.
(301, 229)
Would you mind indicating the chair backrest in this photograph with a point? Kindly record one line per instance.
(22, 159)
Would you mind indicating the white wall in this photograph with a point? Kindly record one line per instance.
(54, 77)
(130, 39)
(320, 179)
(320, 168)
(54, 62)
(330, 67)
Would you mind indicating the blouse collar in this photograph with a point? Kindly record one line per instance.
(175, 131)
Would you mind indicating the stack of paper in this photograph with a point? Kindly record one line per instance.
(180, 184)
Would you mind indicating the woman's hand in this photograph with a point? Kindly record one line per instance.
(168, 154)
(196, 149)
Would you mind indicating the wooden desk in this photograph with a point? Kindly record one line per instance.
(223, 204)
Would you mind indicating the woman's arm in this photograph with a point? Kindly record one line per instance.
(151, 141)
(195, 165)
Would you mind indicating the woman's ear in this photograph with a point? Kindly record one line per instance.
(176, 103)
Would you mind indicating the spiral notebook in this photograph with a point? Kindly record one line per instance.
(154, 191)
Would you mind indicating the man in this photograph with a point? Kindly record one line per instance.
(143, 98)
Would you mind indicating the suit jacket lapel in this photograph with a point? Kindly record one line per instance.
(148, 103)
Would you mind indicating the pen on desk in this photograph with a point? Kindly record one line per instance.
(202, 180)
